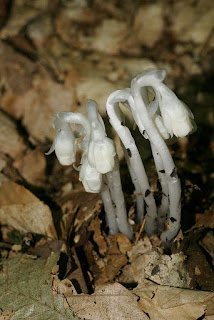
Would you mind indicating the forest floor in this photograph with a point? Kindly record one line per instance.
(54, 55)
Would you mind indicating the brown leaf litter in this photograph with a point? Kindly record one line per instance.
(22, 210)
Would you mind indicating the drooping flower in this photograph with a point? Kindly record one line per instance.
(64, 143)
(101, 155)
(90, 177)
(101, 150)
(177, 117)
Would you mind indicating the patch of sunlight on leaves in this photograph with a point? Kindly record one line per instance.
(26, 290)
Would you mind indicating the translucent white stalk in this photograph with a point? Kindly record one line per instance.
(152, 109)
(135, 159)
(115, 186)
(163, 209)
(102, 154)
(109, 209)
(138, 194)
(162, 149)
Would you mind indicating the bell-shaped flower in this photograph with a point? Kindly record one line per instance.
(90, 177)
(101, 155)
(177, 117)
(64, 143)
(101, 150)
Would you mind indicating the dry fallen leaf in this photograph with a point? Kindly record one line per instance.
(22, 210)
(32, 167)
(105, 268)
(108, 302)
(139, 257)
(164, 303)
(26, 290)
(168, 270)
(37, 105)
(11, 142)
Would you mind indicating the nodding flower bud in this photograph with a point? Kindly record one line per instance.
(101, 150)
(101, 155)
(64, 143)
(90, 177)
(177, 117)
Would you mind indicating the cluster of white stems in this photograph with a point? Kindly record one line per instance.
(158, 120)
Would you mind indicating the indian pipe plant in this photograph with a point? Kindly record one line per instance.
(158, 120)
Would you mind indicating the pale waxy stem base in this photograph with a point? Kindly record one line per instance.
(135, 161)
(163, 209)
(109, 209)
(115, 186)
(168, 163)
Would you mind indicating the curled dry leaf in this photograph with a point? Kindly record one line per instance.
(23, 211)
(163, 302)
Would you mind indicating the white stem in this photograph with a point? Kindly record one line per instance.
(163, 209)
(109, 209)
(168, 163)
(75, 118)
(96, 122)
(135, 159)
(139, 196)
(115, 186)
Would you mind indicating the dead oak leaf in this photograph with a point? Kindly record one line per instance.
(22, 210)
(109, 302)
(164, 302)
(11, 142)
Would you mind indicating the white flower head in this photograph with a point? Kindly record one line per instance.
(90, 177)
(177, 117)
(64, 143)
(101, 150)
(101, 155)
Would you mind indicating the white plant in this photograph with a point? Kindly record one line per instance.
(136, 165)
(64, 143)
(99, 166)
(158, 120)
(177, 120)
